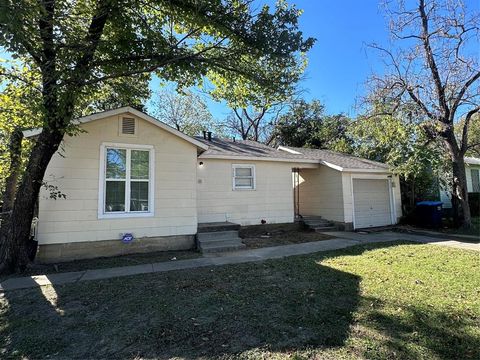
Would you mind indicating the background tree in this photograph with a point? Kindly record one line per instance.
(75, 46)
(402, 144)
(255, 107)
(19, 110)
(435, 67)
(186, 111)
(473, 135)
(306, 125)
(257, 124)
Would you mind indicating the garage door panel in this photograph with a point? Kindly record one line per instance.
(371, 203)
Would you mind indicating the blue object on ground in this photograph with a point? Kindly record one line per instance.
(429, 213)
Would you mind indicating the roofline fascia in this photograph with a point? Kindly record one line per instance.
(257, 158)
(353, 170)
(129, 109)
(284, 148)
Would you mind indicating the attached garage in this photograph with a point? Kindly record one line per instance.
(372, 203)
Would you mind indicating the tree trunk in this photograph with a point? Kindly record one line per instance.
(462, 215)
(15, 231)
(15, 150)
(461, 209)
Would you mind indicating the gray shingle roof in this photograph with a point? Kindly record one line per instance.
(246, 148)
(253, 149)
(344, 160)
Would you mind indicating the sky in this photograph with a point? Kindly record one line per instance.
(340, 61)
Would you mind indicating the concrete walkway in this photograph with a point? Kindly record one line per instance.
(392, 236)
(343, 240)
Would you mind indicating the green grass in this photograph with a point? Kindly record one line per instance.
(382, 301)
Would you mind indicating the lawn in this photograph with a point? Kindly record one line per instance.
(396, 300)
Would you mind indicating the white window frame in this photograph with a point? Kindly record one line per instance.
(243, 166)
(102, 182)
(471, 177)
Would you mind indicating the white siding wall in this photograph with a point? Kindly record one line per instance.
(272, 200)
(76, 173)
(321, 193)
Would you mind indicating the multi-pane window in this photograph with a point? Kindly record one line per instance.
(475, 180)
(243, 177)
(127, 180)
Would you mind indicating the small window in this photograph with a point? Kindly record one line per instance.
(243, 177)
(128, 126)
(475, 180)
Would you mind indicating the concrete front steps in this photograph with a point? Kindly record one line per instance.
(317, 223)
(219, 237)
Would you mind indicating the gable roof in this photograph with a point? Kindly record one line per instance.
(338, 161)
(135, 112)
(246, 150)
(252, 150)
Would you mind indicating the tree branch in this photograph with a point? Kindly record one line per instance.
(462, 92)
(432, 63)
(468, 117)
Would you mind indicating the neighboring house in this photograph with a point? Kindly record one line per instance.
(128, 173)
(472, 172)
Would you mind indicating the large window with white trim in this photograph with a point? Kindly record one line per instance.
(126, 181)
(243, 177)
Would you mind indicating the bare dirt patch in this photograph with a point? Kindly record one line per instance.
(258, 236)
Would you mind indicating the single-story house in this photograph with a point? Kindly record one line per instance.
(129, 173)
(472, 173)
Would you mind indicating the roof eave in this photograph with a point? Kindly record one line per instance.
(256, 158)
(129, 109)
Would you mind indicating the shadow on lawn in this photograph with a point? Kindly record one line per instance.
(286, 304)
(278, 305)
(420, 332)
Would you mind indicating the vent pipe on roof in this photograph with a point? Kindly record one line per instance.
(204, 134)
(209, 133)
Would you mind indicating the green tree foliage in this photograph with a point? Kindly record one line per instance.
(306, 125)
(74, 46)
(186, 111)
(433, 66)
(19, 110)
(473, 135)
(401, 143)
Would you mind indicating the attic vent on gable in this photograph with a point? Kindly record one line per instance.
(128, 126)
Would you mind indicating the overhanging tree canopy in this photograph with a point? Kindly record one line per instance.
(76, 45)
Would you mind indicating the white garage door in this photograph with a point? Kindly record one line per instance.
(371, 203)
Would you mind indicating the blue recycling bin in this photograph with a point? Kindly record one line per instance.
(429, 213)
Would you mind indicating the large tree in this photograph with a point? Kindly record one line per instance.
(185, 111)
(401, 143)
(252, 123)
(305, 124)
(76, 45)
(435, 68)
